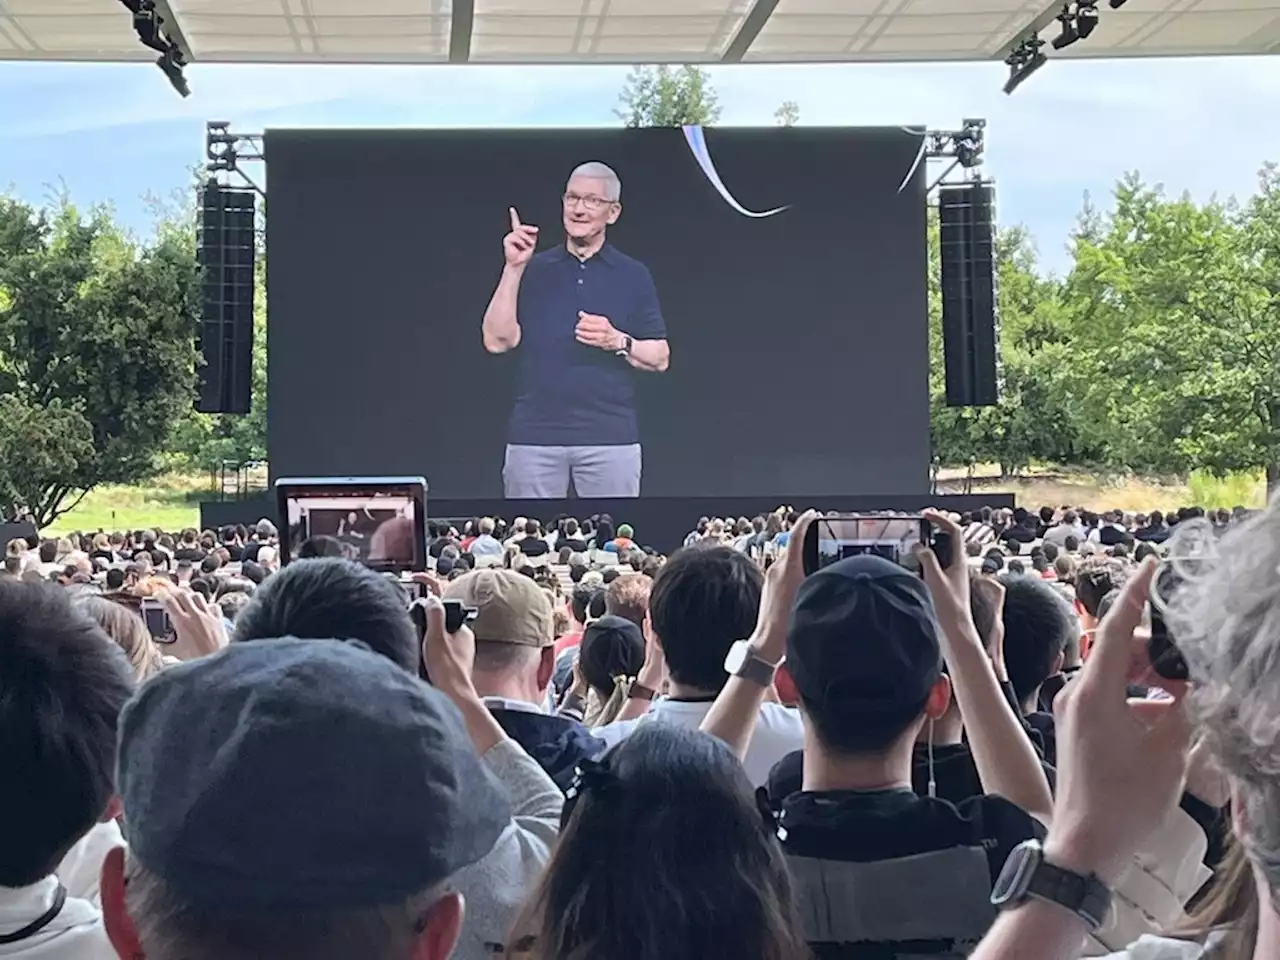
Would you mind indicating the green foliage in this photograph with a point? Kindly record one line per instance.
(96, 345)
(665, 97)
(1231, 490)
(787, 114)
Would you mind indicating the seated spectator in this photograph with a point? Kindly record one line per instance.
(101, 548)
(610, 574)
(1069, 527)
(609, 660)
(1038, 630)
(13, 566)
(879, 870)
(264, 535)
(210, 564)
(189, 547)
(625, 883)
(127, 629)
(704, 600)
(485, 545)
(1071, 544)
(572, 537)
(1023, 531)
(250, 837)
(563, 554)
(604, 534)
(623, 542)
(63, 683)
(514, 662)
(980, 530)
(628, 597)
(345, 600)
(1065, 570)
(232, 605)
(532, 543)
(1144, 549)
(579, 600)
(1095, 578)
(577, 568)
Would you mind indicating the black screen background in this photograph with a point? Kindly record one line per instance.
(799, 342)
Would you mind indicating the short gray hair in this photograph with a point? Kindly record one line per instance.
(595, 170)
(170, 925)
(1226, 621)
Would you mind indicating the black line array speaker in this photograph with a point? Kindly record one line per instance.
(227, 253)
(966, 214)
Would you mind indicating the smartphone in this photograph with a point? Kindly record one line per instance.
(1166, 659)
(893, 537)
(455, 615)
(156, 617)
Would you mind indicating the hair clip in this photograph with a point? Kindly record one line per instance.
(590, 775)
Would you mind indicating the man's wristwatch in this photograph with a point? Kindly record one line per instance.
(625, 349)
(743, 661)
(1027, 874)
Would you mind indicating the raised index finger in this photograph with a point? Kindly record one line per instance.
(515, 218)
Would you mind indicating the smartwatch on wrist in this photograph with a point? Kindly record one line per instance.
(744, 661)
(639, 691)
(1027, 874)
(625, 349)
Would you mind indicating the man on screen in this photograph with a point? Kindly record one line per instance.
(585, 316)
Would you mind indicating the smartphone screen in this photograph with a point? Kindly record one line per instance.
(837, 538)
(156, 617)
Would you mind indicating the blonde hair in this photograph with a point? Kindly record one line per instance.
(129, 632)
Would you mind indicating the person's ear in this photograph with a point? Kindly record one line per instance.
(115, 915)
(441, 928)
(546, 667)
(615, 212)
(115, 809)
(1059, 662)
(935, 708)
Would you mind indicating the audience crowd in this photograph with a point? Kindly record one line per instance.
(618, 755)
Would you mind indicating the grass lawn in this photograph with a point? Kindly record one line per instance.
(172, 502)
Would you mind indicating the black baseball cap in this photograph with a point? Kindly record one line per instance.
(309, 774)
(863, 641)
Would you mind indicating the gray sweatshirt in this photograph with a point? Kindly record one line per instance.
(496, 887)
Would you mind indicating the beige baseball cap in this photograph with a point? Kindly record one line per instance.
(511, 607)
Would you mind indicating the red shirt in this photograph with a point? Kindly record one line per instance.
(568, 642)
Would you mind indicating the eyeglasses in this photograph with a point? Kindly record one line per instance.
(594, 204)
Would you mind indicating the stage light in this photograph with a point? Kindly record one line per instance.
(1086, 18)
(171, 65)
(1068, 33)
(1025, 59)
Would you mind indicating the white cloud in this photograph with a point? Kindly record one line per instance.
(1076, 126)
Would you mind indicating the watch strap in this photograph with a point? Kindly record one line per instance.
(757, 669)
(1084, 895)
(639, 691)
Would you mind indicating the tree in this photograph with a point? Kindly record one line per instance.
(1176, 330)
(665, 97)
(97, 353)
(788, 114)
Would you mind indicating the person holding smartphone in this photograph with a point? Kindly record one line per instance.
(585, 317)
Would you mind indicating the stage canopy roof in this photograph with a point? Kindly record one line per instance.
(623, 31)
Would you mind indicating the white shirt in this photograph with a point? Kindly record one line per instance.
(779, 731)
(76, 933)
(1058, 535)
(81, 869)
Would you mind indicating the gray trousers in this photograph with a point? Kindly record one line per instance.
(543, 473)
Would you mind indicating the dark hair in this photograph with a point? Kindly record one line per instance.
(596, 607)
(1050, 551)
(611, 574)
(320, 545)
(581, 599)
(563, 554)
(601, 660)
(210, 564)
(1157, 518)
(1095, 578)
(996, 556)
(333, 599)
(1071, 543)
(63, 682)
(1038, 625)
(48, 551)
(202, 586)
(1143, 550)
(619, 881)
(703, 600)
(253, 571)
(577, 571)
(1016, 568)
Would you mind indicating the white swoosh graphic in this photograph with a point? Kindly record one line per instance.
(698, 144)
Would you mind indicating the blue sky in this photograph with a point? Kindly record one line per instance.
(115, 133)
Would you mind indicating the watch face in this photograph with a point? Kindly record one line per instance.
(1015, 878)
(737, 657)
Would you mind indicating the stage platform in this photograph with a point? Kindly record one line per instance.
(660, 522)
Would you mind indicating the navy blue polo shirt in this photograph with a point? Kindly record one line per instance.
(570, 394)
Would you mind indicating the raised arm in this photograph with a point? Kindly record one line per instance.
(501, 324)
(1006, 761)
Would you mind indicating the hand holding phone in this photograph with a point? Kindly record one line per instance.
(158, 622)
(1166, 659)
